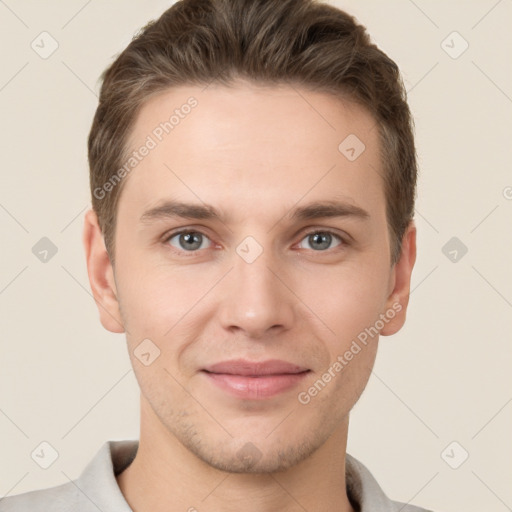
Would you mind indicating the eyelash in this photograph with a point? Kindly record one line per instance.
(343, 241)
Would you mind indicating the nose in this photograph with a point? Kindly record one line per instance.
(255, 298)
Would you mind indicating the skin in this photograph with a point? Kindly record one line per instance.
(255, 153)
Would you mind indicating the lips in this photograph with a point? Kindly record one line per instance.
(255, 380)
(255, 369)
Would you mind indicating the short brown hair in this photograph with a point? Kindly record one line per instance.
(296, 42)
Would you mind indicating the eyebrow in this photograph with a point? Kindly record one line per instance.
(316, 210)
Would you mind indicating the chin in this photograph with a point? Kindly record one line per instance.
(253, 458)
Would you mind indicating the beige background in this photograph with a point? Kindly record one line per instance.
(445, 377)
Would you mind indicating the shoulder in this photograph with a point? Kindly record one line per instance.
(96, 488)
(62, 498)
(366, 493)
(404, 507)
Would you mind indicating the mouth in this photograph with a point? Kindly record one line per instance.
(255, 380)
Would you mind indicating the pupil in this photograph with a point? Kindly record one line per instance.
(192, 241)
(322, 240)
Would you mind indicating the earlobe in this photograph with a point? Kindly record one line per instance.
(398, 299)
(101, 275)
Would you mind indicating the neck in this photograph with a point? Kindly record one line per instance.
(166, 476)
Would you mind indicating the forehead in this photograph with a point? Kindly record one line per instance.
(252, 143)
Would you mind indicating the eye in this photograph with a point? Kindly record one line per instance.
(321, 240)
(188, 241)
(192, 241)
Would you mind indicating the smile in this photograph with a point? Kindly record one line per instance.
(255, 380)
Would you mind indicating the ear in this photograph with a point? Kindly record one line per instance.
(101, 275)
(400, 283)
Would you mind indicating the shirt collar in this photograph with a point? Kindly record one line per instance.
(97, 482)
(99, 488)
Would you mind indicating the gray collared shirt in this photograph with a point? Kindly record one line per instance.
(96, 488)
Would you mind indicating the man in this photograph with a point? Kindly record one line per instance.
(253, 177)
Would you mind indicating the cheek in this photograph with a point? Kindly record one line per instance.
(347, 300)
(159, 301)
(155, 299)
(351, 311)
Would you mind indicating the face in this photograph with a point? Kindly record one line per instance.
(254, 255)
